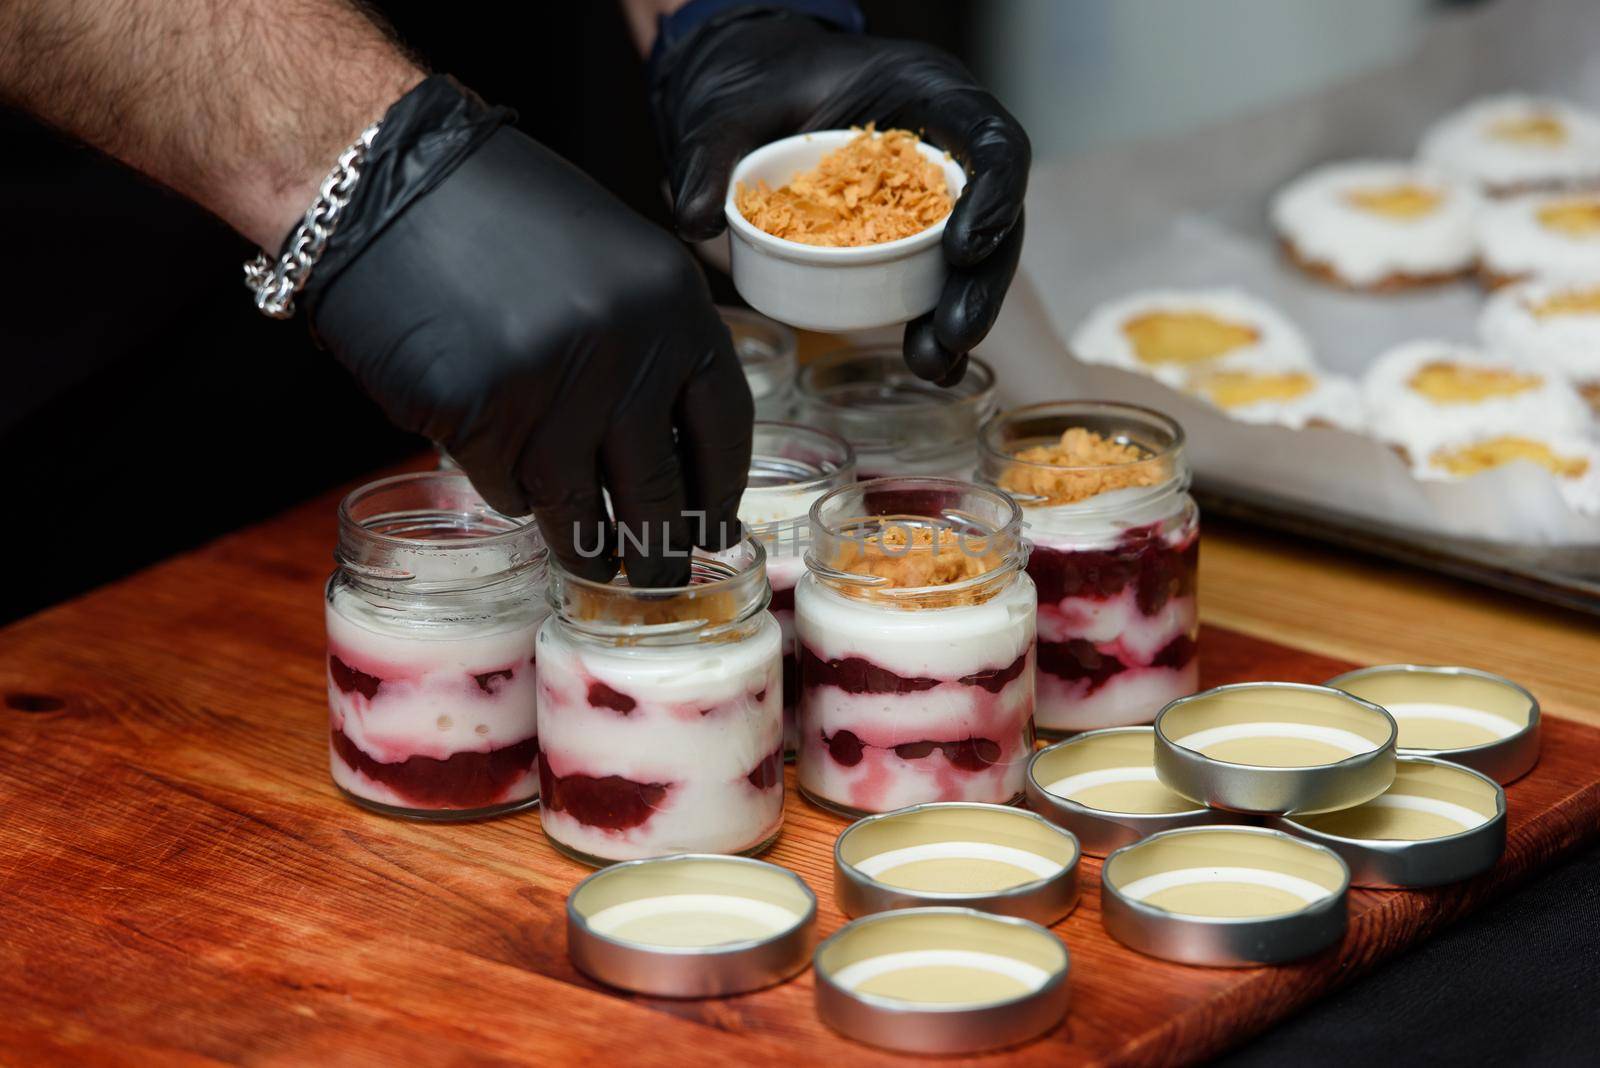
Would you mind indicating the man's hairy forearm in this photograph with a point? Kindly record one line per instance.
(241, 107)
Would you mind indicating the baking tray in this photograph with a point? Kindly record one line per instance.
(1190, 211)
(1568, 577)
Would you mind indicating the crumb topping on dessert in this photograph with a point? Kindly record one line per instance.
(1536, 128)
(1454, 383)
(1497, 452)
(1568, 302)
(1240, 389)
(710, 608)
(1404, 201)
(1085, 464)
(1164, 337)
(915, 557)
(876, 188)
(1575, 216)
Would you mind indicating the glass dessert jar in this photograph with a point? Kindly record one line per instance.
(790, 467)
(767, 352)
(1115, 542)
(431, 620)
(916, 626)
(661, 713)
(897, 423)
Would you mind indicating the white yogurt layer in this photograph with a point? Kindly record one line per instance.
(1100, 338)
(1568, 341)
(943, 643)
(1400, 414)
(1472, 143)
(1103, 520)
(703, 718)
(1126, 699)
(763, 505)
(1316, 214)
(429, 703)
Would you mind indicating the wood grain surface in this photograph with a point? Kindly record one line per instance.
(180, 884)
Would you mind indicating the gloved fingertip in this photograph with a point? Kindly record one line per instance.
(697, 204)
(966, 245)
(600, 568)
(926, 358)
(658, 571)
(700, 220)
(721, 532)
(957, 372)
(501, 495)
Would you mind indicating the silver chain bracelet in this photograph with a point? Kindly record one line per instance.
(275, 284)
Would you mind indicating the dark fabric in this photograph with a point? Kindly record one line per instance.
(1518, 983)
(672, 29)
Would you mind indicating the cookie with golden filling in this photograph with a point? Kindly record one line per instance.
(1170, 334)
(1422, 393)
(1516, 143)
(1378, 225)
(1573, 462)
(1540, 236)
(1294, 399)
(1553, 323)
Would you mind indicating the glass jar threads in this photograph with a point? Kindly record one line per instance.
(661, 713)
(916, 626)
(431, 619)
(1115, 542)
(897, 423)
(790, 467)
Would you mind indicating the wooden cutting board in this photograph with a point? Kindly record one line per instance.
(180, 883)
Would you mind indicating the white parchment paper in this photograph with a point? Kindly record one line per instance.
(1191, 211)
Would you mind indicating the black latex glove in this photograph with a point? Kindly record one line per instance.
(492, 297)
(759, 74)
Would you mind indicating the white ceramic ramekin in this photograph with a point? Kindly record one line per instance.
(813, 287)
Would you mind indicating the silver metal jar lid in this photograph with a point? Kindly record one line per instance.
(1225, 895)
(1462, 714)
(1275, 747)
(941, 980)
(1439, 823)
(692, 925)
(1102, 786)
(989, 857)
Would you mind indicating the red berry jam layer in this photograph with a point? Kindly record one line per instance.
(432, 725)
(460, 781)
(783, 572)
(874, 740)
(665, 749)
(1118, 625)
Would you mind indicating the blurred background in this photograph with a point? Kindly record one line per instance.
(147, 407)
